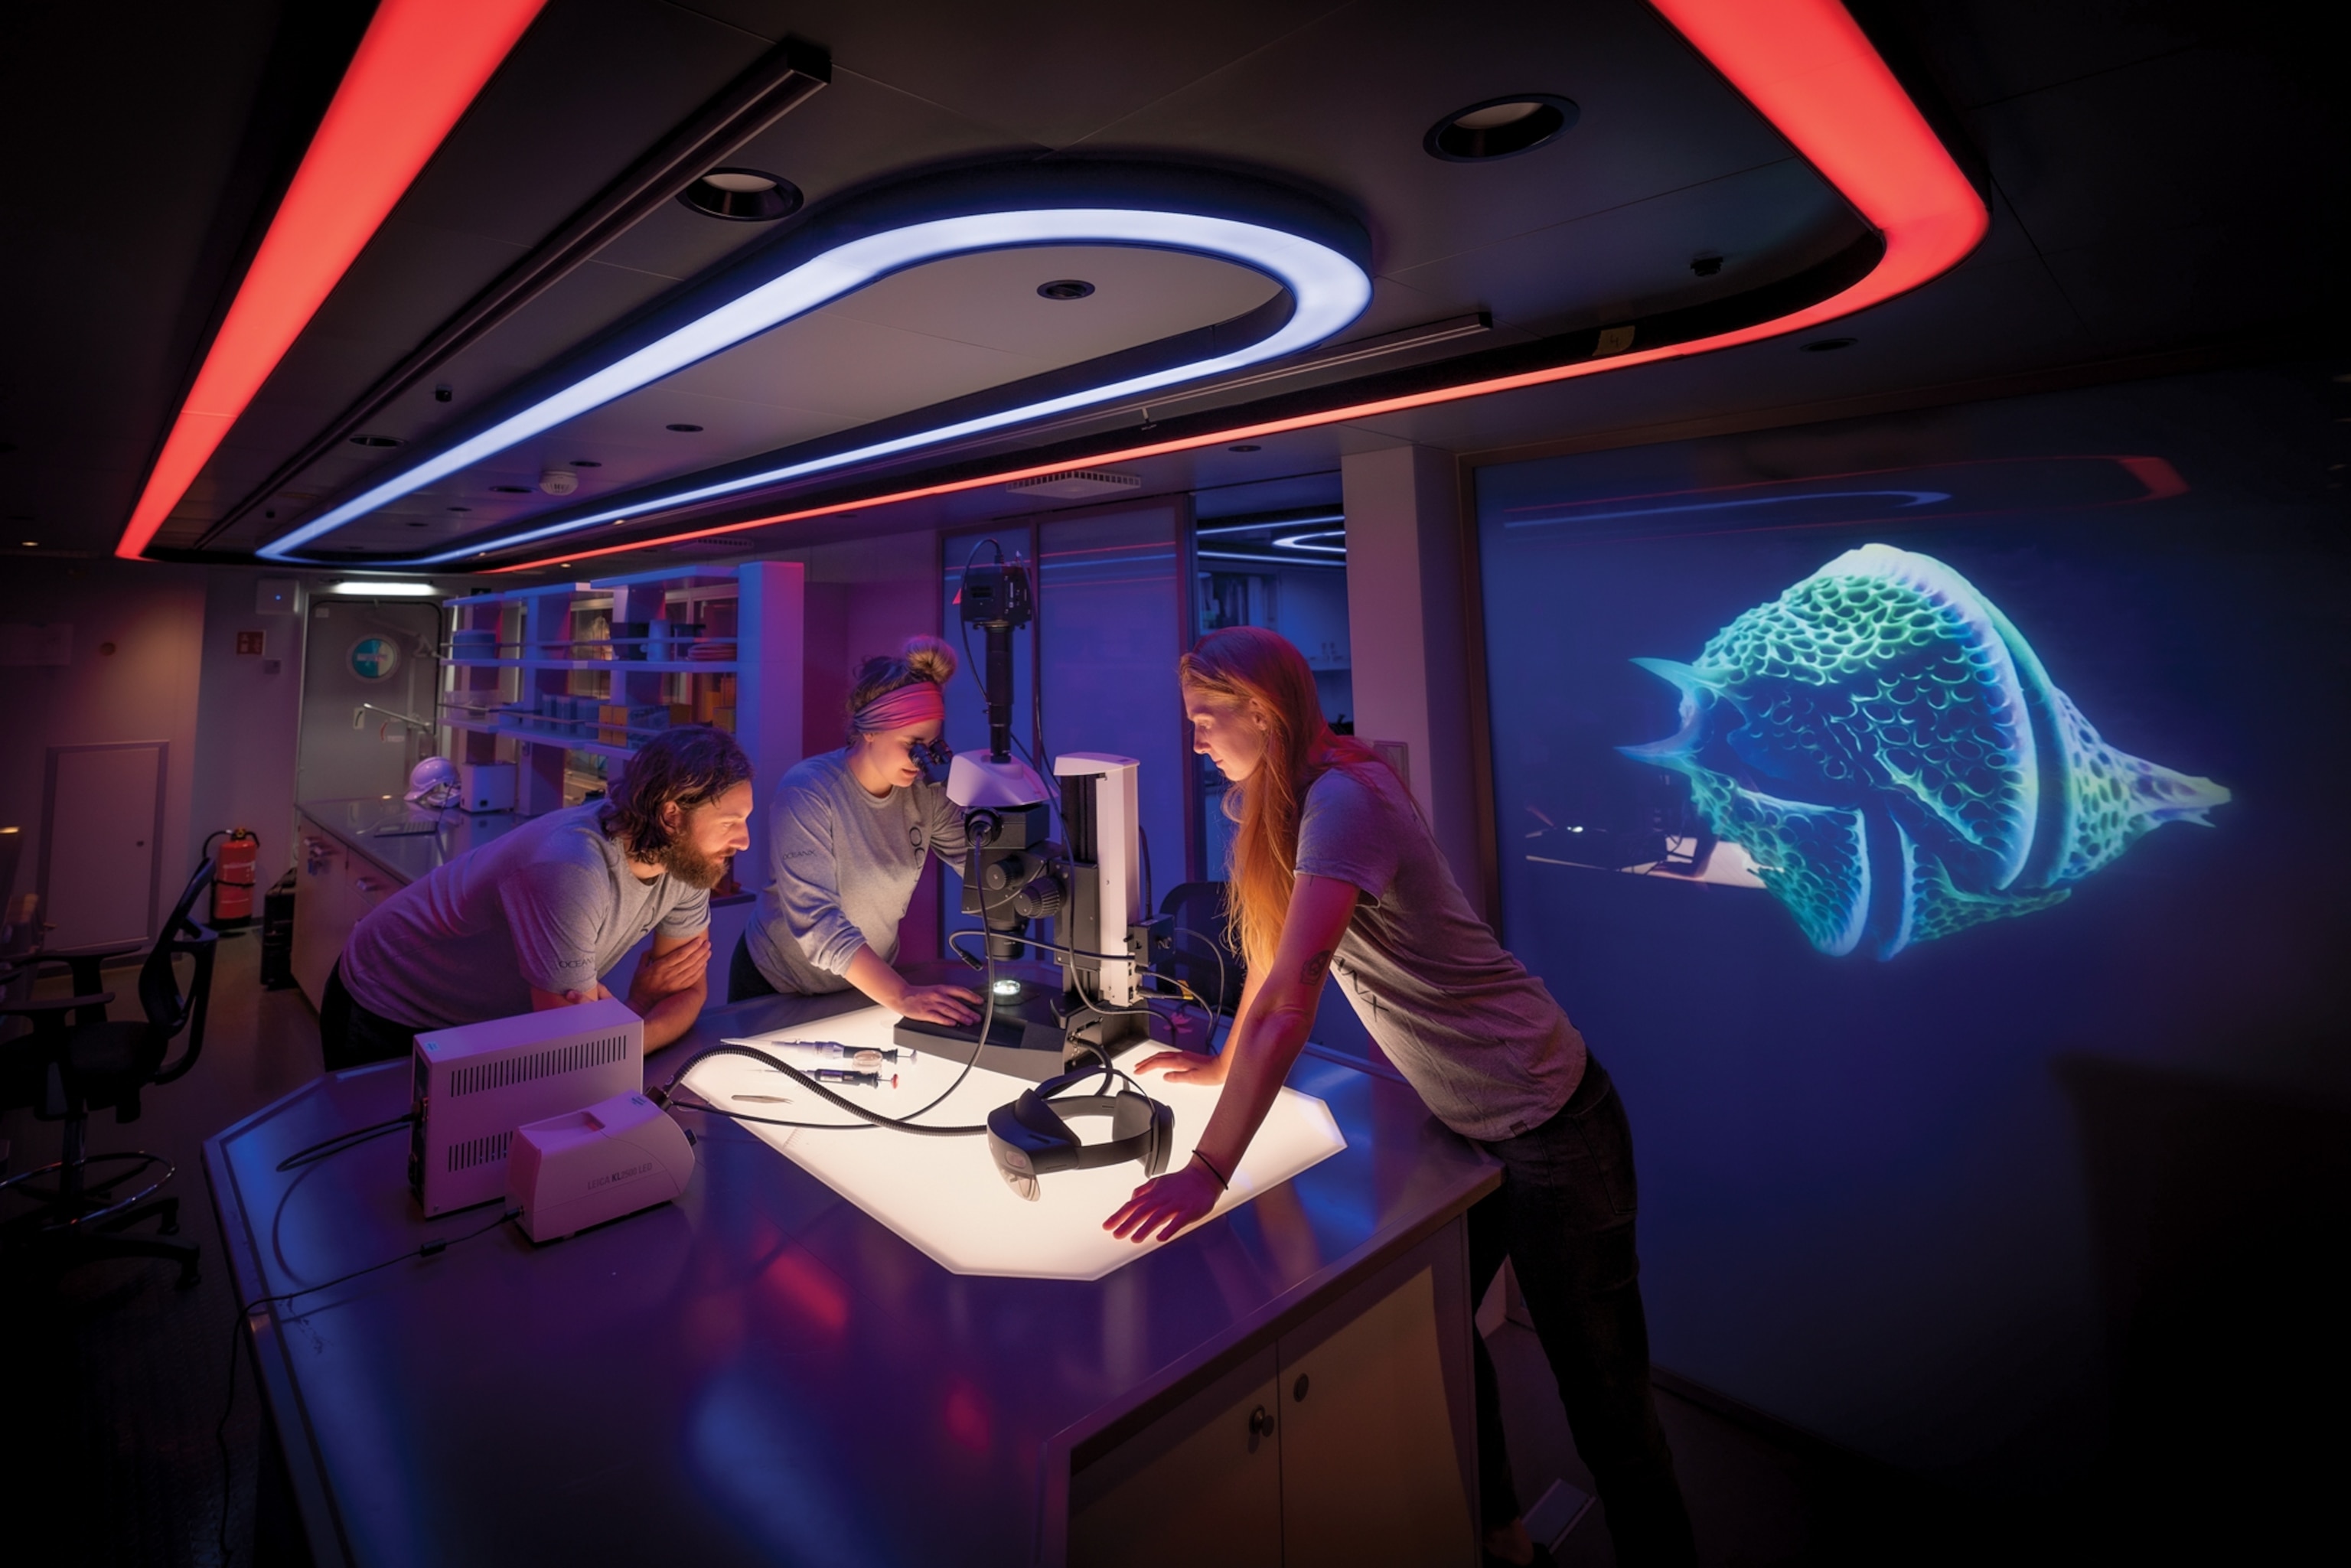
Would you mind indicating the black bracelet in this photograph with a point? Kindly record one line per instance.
(1212, 1169)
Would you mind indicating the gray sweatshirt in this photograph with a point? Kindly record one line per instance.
(552, 905)
(841, 869)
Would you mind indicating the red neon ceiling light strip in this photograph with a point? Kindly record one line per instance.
(419, 65)
(1805, 66)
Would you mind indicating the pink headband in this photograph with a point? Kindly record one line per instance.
(919, 702)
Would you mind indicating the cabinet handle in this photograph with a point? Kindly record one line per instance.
(367, 884)
(1260, 1422)
(1298, 1389)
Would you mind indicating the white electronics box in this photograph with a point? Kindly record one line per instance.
(622, 1154)
(486, 786)
(477, 1082)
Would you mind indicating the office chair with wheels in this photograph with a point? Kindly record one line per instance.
(70, 1066)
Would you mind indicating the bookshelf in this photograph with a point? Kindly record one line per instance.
(566, 680)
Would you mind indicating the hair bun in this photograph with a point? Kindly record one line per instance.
(930, 658)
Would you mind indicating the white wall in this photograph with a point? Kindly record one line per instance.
(146, 689)
(247, 719)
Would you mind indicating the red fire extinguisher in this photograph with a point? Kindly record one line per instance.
(233, 875)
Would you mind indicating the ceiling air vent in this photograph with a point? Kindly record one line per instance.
(1074, 483)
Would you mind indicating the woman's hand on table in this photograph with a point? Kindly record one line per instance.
(939, 1004)
(1185, 1067)
(1166, 1205)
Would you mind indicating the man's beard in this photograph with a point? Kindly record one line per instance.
(690, 865)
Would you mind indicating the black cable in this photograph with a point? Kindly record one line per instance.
(977, 679)
(432, 1248)
(1224, 978)
(1042, 945)
(341, 1141)
(905, 1123)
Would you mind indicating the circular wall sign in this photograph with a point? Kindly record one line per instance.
(374, 658)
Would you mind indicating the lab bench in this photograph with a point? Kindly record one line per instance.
(765, 1371)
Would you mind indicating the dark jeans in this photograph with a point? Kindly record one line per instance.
(1564, 1218)
(350, 1036)
(743, 980)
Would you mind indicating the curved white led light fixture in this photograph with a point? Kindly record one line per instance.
(1313, 541)
(1328, 290)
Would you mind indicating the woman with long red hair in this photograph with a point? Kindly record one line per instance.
(1334, 869)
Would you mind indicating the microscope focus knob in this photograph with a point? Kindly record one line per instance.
(1039, 899)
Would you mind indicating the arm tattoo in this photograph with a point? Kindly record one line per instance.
(1315, 968)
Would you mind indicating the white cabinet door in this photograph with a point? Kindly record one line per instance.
(1369, 1471)
(99, 848)
(1202, 1485)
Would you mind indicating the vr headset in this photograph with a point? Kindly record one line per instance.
(1029, 1138)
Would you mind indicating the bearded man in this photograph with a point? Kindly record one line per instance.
(536, 918)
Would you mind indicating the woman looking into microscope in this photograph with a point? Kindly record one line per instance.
(848, 832)
(1333, 870)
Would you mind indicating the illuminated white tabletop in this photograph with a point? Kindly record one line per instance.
(943, 1195)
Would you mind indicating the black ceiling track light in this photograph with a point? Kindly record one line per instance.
(1501, 127)
(743, 196)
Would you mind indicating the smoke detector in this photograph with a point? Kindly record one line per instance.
(559, 481)
(1074, 483)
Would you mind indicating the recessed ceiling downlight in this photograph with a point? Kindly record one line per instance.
(375, 441)
(1065, 288)
(743, 196)
(1499, 127)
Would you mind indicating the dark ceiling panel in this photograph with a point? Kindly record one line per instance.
(590, 85)
(140, 152)
(2175, 171)
(1665, 163)
(1050, 76)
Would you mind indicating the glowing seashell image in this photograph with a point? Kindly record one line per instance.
(1888, 750)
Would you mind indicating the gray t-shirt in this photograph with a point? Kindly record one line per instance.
(841, 869)
(552, 905)
(1479, 1036)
